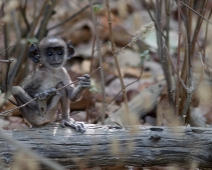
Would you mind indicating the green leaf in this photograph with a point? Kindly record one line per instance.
(32, 40)
(94, 88)
(0, 92)
(97, 8)
(144, 55)
(146, 52)
(147, 57)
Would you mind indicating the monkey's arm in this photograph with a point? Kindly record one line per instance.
(65, 106)
(75, 93)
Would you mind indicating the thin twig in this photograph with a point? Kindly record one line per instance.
(196, 12)
(125, 87)
(6, 83)
(92, 53)
(23, 12)
(205, 42)
(201, 58)
(178, 62)
(148, 10)
(184, 70)
(163, 58)
(7, 73)
(5, 31)
(100, 63)
(152, 18)
(206, 35)
(6, 113)
(6, 78)
(190, 89)
(168, 12)
(90, 70)
(71, 17)
(190, 92)
(11, 101)
(35, 9)
(203, 66)
(115, 58)
(9, 48)
(197, 28)
(202, 73)
(190, 16)
(47, 15)
(167, 53)
(6, 40)
(16, 25)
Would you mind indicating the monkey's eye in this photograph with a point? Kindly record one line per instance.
(49, 53)
(60, 52)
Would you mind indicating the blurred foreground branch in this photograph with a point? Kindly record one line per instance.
(107, 145)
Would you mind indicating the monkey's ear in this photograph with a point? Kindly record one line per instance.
(34, 53)
(71, 50)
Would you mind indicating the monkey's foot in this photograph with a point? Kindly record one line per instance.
(79, 126)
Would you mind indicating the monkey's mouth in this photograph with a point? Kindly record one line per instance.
(56, 64)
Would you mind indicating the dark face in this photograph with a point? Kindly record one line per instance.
(51, 52)
(55, 56)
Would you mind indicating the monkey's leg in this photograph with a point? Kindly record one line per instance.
(53, 105)
(65, 105)
(22, 97)
(30, 111)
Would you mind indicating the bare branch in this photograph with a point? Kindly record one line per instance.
(71, 17)
(100, 63)
(196, 12)
(10, 47)
(115, 57)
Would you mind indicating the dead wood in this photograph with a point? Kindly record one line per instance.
(108, 146)
(140, 105)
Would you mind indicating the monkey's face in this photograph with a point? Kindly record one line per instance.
(54, 56)
(51, 52)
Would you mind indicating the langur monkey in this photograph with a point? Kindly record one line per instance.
(42, 83)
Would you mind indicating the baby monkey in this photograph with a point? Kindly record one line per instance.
(42, 83)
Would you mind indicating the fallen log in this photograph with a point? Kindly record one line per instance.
(111, 145)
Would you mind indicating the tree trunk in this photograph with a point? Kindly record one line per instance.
(108, 146)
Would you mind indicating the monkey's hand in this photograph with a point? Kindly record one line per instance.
(52, 91)
(84, 81)
(46, 93)
(79, 126)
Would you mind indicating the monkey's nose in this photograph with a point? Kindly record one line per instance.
(56, 58)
